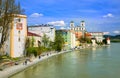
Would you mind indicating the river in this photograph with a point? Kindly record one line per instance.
(103, 62)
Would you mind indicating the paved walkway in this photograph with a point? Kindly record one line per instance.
(7, 72)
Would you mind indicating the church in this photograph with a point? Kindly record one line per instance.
(79, 29)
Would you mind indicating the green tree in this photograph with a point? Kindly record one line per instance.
(27, 45)
(32, 42)
(45, 40)
(51, 45)
(8, 10)
(85, 40)
(31, 50)
(59, 42)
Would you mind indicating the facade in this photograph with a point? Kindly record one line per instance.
(37, 38)
(69, 38)
(73, 39)
(97, 35)
(93, 41)
(64, 34)
(79, 29)
(43, 29)
(15, 44)
(108, 41)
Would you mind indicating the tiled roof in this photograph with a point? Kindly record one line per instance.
(42, 25)
(32, 34)
(95, 32)
(88, 34)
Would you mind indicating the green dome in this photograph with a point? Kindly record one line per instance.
(72, 22)
(82, 21)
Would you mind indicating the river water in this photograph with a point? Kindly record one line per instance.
(101, 62)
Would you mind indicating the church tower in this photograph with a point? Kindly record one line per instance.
(72, 25)
(82, 23)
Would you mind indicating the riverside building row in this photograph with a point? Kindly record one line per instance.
(15, 45)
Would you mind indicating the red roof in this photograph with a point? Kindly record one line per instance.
(108, 38)
(32, 34)
(88, 34)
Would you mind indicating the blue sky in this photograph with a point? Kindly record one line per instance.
(99, 15)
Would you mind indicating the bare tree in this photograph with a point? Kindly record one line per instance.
(8, 10)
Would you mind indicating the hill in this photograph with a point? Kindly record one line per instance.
(115, 38)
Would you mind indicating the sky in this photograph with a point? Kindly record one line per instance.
(99, 15)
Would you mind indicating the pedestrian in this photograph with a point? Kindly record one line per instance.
(39, 56)
(25, 62)
(47, 54)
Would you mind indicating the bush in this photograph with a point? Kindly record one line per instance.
(31, 51)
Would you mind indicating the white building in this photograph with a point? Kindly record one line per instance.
(73, 39)
(43, 29)
(97, 35)
(15, 44)
(108, 41)
(79, 28)
(93, 41)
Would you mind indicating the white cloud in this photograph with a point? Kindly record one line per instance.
(106, 33)
(62, 28)
(108, 15)
(68, 27)
(36, 15)
(116, 32)
(57, 23)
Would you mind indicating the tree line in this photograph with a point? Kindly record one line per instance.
(44, 46)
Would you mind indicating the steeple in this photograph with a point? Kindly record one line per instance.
(72, 24)
(82, 23)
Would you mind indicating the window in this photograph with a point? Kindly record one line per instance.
(71, 25)
(19, 39)
(19, 20)
(82, 24)
(19, 32)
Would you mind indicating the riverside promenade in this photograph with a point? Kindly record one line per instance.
(7, 72)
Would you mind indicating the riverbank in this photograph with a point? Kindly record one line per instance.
(6, 73)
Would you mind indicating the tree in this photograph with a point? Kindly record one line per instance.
(27, 45)
(59, 42)
(32, 42)
(8, 10)
(51, 45)
(85, 40)
(45, 40)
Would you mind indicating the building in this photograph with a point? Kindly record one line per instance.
(64, 34)
(43, 29)
(108, 41)
(93, 41)
(14, 46)
(69, 38)
(37, 38)
(97, 35)
(73, 39)
(79, 29)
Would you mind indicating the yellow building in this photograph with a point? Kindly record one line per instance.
(18, 33)
(36, 37)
